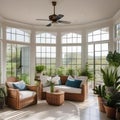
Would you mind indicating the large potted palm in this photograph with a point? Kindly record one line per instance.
(110, 77)
(86, 72)
(112, 83)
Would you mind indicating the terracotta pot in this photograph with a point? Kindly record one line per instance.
(100, 103)
(110, 111)
(117, 114)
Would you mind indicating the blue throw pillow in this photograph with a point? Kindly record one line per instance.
(73, 83)
(77, 83)
(19, 85)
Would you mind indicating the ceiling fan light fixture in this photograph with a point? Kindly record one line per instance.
(54, 3)
(54, 18)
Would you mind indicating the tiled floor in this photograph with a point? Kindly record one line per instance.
(89, 109)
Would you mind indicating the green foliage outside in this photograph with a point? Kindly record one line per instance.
(50, 71)
(60, 71)
(86, 72)
(24, 77)
(70, 71)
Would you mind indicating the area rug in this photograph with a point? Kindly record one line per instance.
(43, 111)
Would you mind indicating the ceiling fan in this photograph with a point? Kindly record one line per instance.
(54, 18)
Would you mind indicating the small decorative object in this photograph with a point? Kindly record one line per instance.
(51, 82)
(51, 87)
(57, 90)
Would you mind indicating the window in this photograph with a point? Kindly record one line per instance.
(71, 38)
(117, 31)
(97, 51)
(46, 51)
(118, 45)
(99, 35)
(20, 35)
(45, 38)
(18, 61)
(71, 51)
(117, 35)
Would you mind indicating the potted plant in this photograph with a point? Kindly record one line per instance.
(118, 110)
(110, 78)
(113, 58)
(111, 99)
(109, 105)
(100, 91)
(60, 71)
(40, 68)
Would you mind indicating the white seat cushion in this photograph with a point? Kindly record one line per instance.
(64, 88)
(26, 94)
(68, 89)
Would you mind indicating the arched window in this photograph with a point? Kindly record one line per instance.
(71, 51)
(19, 35)
(18, 53)
(46, 51)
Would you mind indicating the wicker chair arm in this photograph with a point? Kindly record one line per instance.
(85, 90)
(32, 87)
(14, 93)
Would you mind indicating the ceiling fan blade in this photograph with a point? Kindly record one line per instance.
(43, 19)
(60, 16)
(48, 25)
(65, 22)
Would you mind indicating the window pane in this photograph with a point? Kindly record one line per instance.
(15, 34)
(71, 38)
(99, 35)
(45, 38)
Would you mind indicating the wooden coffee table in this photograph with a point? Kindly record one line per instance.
(55, 98)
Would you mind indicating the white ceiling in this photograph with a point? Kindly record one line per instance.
(75, 11)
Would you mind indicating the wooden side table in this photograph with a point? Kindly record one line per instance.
(55, 98)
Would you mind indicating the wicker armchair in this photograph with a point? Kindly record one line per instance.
(14, 99)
